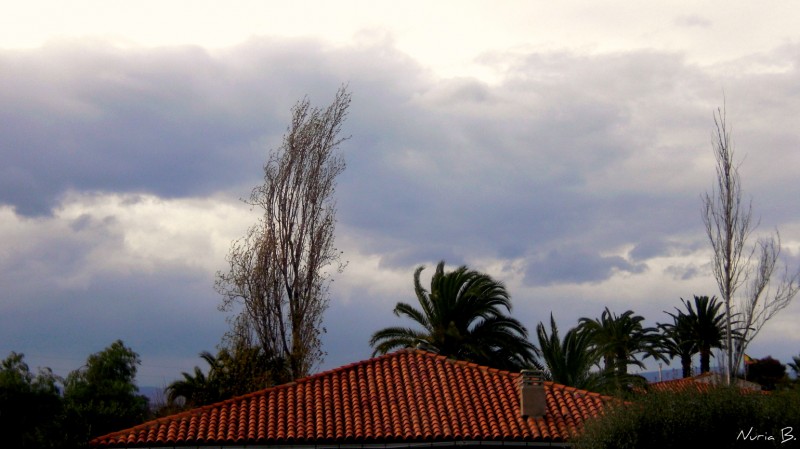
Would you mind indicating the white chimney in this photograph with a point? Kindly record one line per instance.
(531, 393)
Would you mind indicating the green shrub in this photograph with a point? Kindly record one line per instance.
(719, 418)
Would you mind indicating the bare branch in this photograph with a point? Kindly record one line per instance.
(278, 271)
(728, 223)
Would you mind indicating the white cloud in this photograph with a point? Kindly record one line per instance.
(124, 233)
(448, 36)
(108, 266)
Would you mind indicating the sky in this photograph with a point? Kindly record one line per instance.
(563, 148)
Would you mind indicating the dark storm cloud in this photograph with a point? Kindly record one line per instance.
(576, 266)
(502, 170)
(166, 305)
(92, 118)
(473, 167)
(172, 121)
(159, 314)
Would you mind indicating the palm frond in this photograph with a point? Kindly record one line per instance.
(462, 315)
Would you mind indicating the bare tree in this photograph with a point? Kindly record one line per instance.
(729, 224)
(280, 270)
(765, 296)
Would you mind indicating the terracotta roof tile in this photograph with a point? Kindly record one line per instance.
(702, 383)
(406, 396)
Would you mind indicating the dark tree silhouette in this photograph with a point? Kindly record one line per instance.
(463, 316)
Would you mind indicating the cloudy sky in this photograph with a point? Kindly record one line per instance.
(560, 147)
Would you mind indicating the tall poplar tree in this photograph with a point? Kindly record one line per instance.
(728, 219)
(280, 270)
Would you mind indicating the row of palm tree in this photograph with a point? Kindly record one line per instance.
(464, 315)
(698, 329)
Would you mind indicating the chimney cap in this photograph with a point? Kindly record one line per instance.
(532, 376)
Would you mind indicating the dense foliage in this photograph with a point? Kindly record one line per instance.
(102, 397)
(767, 372)
(30, 406)
(232, 372)
(99, 398)
(570, 361)
(721, 417)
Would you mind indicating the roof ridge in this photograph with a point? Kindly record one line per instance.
(464, 363)
(328, 372)
(199, 409)
(347, 367)
(577, 390)
(685, 379)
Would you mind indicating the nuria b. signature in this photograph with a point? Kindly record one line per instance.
(752, 435)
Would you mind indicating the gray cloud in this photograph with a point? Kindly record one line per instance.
(576, 266)
(173, 121)
(163, 315)
(684, 272)
(576, 167)
(502, 169)
(648, 249)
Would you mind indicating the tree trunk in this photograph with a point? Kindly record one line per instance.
(686, 366)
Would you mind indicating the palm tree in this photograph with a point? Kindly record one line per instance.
(569, 361)
(795, 366)
(678, 341)
(709, 327)
(196, 389)
(462, 316)
(702, 327)
(235, 371)
(619, 340)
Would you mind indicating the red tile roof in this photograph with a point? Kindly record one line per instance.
(702, 382)
(680, 385)
(403, 397)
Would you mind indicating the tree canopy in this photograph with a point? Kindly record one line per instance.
(570, 361)
(231, 372)
(699, 328)
(102, 396)
(621, 340)
(30, 405)
(462, 315)
(96, 399)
